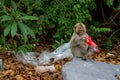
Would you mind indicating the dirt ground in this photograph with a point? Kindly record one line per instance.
(16, 70)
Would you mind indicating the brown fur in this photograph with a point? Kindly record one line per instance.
(78, 45)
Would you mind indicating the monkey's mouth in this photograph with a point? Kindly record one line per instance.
(81, 32)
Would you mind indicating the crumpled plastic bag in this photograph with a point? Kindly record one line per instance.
(28, 57)
(45, 57)
(60, 53)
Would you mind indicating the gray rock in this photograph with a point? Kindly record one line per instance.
(79, 69)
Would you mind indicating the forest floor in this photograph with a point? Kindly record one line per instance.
(16, 70)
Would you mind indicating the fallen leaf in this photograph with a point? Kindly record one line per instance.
(19, 77)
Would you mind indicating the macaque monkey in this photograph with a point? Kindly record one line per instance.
(79, 47)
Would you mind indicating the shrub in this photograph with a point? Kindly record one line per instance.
(22, 20)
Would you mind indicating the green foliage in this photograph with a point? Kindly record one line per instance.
(115, 36)
(108, 44)
(109, 2)
(12, 25)
(64, 14)
(22, 20)
(5, 46)
(118, 8)
(96, 29)
(114, 5)
(54, 46)
(13, 22)
(24, 48)
(99, 31)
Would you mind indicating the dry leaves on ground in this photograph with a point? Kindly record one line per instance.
(15, 70)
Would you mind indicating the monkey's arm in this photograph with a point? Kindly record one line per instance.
(78, 42)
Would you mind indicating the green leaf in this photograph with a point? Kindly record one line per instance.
(4, 9)
(2, 39)
(13, 5)
(118, 8)
(23, 31)
(30, 31)
(13, 29)
(109, 2)
(108, 43)
(6, 18)
(28, 18)
(7, 30)
(16, 14)
(21, 49)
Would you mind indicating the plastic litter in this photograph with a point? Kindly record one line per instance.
(41, 69)
(92, 44)
(1, 65)
(45, 57)
(89, 41)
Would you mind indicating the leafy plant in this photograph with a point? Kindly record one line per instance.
(115, 36)
(108, 44)
(99, 31)
(109, 2)
(14, 23)
(22, 20)
(64, 15)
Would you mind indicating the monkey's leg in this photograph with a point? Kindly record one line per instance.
(84, 57)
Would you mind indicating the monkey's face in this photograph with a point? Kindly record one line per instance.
(79, 30)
